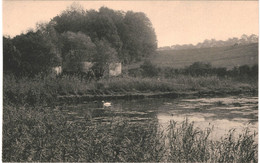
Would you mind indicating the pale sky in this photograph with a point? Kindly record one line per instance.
(175, 22)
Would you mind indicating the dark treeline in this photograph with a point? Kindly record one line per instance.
(243, 40)
(147, 69)
(77, 35)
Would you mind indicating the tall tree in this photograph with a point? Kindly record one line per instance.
(131, 34)
(11, 57)
(78, 47)
(105, 55)
(36, 54)
(54, 38)
(139, 38)
(103, 25)
(76, 35)
(72, 19)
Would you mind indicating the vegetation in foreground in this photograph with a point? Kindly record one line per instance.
(45, 134)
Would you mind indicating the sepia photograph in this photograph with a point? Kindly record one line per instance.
(130, 81)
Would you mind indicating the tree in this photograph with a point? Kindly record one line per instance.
(244, 70)
(149, 70)
(130, 34)
(105, 55)
(76, 35)
(11, 57)
(77, 48)
(199, 68)
(254, 71)
(36, 54)
(50, 35)
(139, 39)
(72, 19)
(104, 25)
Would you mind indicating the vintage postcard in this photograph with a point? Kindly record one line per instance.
(130, 81)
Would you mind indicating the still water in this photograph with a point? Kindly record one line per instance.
(223, 114)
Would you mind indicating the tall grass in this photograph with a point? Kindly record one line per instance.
(40, 90)
(190, 144)
(45, 134)
(44, 90)
(180, 83)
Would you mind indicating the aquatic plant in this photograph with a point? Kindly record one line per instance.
(190, 144)
(47, 134)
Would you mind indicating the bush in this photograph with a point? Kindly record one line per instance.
(254, 71)
(205, 69)
(148, 69)
(199, 68)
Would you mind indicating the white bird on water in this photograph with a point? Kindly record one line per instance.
(106, 104)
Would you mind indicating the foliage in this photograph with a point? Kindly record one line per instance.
(11, 57)
(45, 89)
(130, 34)
(208, 43)
(45, 134)
(36, 54)
(178, 84)
(51, 35)
(139, 39)
(187, 143)
(190, 144)
(198, 68)
(148, 69)
(78, 47)
(79, 44)
(39, 90)
(77, 35)
(105, 55)
(205, 69)
(72, 19)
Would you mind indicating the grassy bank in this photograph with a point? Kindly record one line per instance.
(45, 134)
(45, 90)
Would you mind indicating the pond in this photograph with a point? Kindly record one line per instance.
(221, 113)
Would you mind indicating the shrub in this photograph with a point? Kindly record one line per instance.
(199, 68)
(149, 70)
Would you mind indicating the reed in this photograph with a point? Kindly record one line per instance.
(45, 134)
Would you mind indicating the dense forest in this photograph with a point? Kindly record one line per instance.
(78, 35)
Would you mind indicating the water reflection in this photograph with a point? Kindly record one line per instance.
(222, 113)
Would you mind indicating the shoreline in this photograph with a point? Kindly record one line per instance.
(141, 95)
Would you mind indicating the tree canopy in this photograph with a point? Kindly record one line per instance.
(77, 35)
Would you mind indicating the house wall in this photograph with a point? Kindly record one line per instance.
(115, 69)
(57, 70)
(85, 66)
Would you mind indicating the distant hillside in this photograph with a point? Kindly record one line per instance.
(228, 56)
(243, 40)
